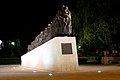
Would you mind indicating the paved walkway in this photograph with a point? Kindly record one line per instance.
(85, 72)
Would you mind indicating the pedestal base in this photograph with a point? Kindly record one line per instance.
(58, 54)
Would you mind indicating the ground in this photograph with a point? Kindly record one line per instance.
(85, 72)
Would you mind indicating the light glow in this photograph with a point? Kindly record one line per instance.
(0, 42)
(50, 74)
(13, 43)
(22, 69)
(79, 47)
(99, 71)
(34, 71)
(13, 67)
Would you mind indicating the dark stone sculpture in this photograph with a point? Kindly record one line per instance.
(60, 26)
(64, 21)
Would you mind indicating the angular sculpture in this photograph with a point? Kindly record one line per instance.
(60, 26)
(54, 49)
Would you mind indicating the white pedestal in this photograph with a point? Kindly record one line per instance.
(58, 54)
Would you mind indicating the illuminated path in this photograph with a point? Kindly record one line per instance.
(85, 72)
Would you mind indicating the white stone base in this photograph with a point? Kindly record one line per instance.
(49, 56)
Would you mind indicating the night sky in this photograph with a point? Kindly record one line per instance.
(28, 19)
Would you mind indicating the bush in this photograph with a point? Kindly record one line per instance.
(10, 61)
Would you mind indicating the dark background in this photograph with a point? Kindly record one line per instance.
(22, 21)
(26, 19)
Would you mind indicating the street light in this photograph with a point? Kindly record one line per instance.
(13, 43)
(79, 47)
(12, 47)
(1, 44)
(0, 41)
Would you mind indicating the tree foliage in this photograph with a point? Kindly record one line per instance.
(96, 36)
(95, 26)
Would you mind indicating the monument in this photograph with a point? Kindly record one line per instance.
(54, 48)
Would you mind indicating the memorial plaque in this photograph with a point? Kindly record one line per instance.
(66, 48)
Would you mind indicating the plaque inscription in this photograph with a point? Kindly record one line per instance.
(66, 48)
